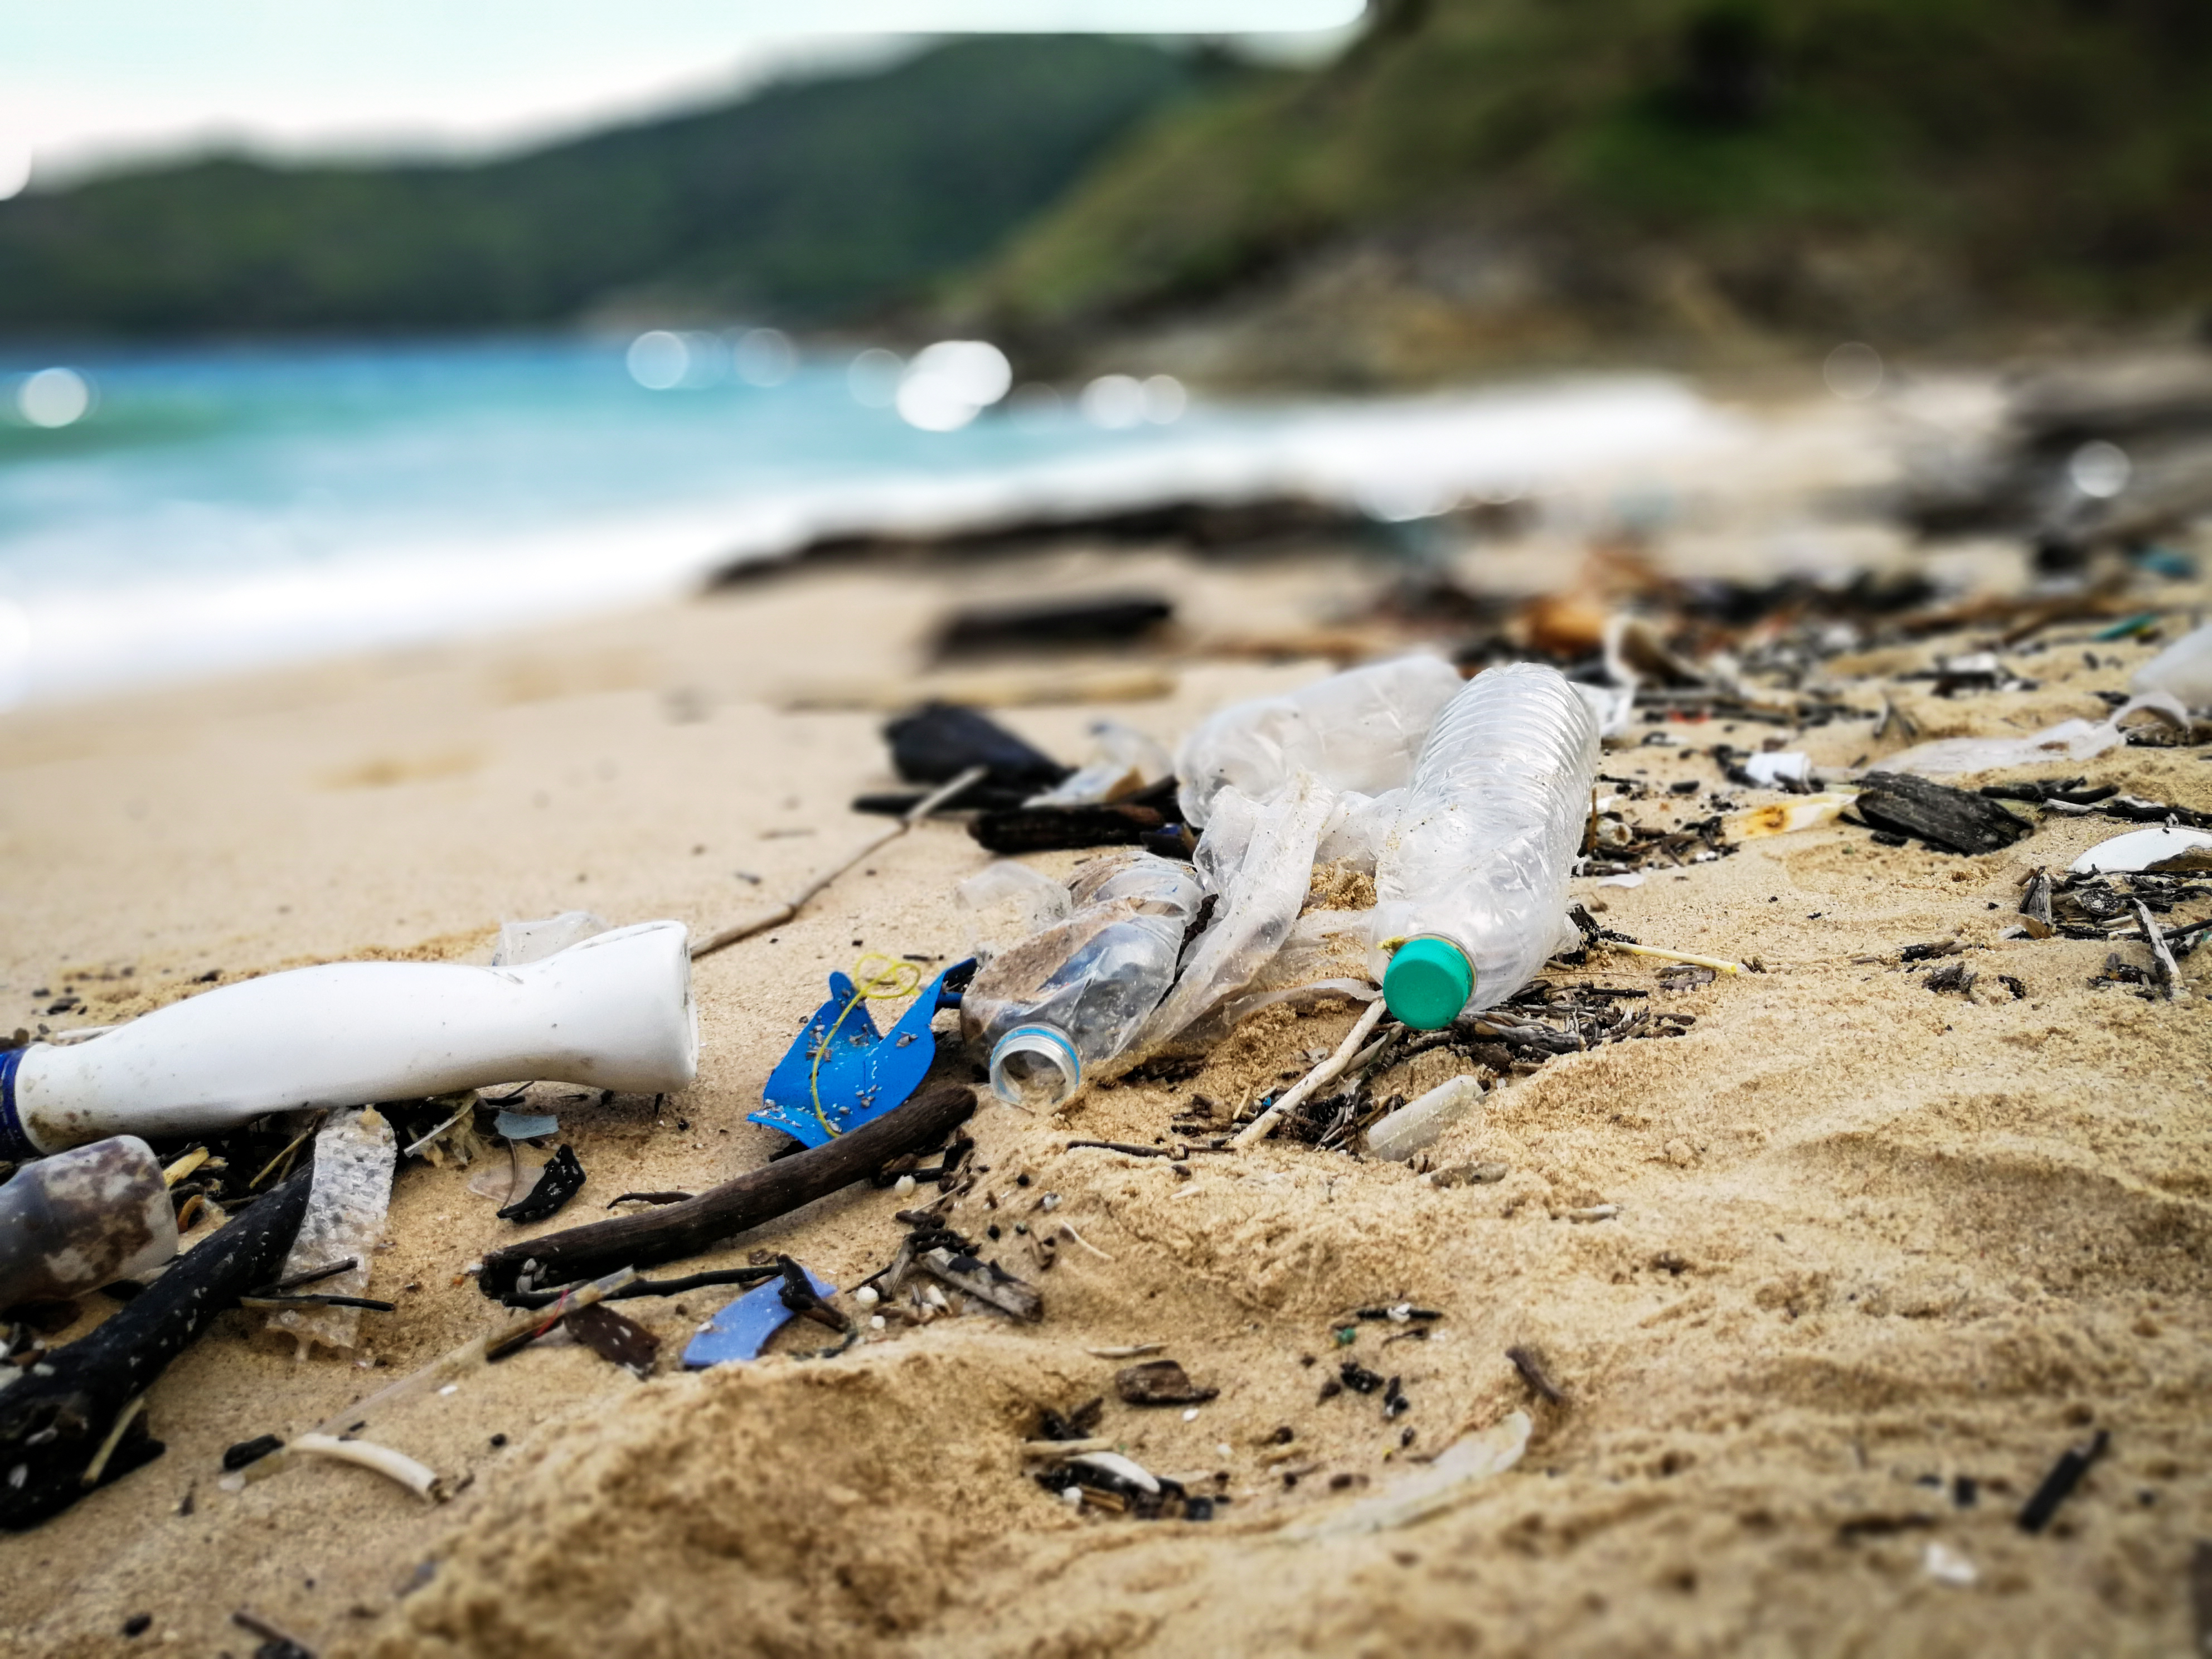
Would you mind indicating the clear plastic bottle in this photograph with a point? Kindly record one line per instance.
(1357, 730)
(1075, 993)
(1471, 887)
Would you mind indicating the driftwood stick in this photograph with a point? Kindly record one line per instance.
(791, 907)
(55, 1417)
(675, 1230)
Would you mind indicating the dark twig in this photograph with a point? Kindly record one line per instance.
(675, 1230)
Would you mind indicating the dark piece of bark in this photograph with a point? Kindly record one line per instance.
(617, 1340)
(2138, 810)
(1109, 621)
(2035, 906)
(2058, 1486)
(1531, 1367)
(675, 1230)
(1947, 819)
(1055, 828)
(2200, 1592)
(1160, 1382)
(87, 1383)
(1953, 975)
(941, 740)
(561, 1180)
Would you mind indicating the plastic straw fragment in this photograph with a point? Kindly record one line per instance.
(1718, 964)
(368, 1455)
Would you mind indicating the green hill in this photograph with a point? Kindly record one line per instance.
(1480, 176)
(806, 202)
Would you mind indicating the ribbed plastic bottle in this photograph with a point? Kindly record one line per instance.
(1471, 886)
(1075, 993)
(1356, 730)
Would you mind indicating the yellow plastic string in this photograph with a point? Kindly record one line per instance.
(889, 978)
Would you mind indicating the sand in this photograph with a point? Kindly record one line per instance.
(1873, 1249)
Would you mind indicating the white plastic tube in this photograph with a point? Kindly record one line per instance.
(612, 1012)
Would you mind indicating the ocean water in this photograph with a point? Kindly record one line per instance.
(223, 508)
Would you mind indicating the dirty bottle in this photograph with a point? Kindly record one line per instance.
(1074, 994)
(1471, 884)
(84, 1218)
(1358, 731)
(612, 1011)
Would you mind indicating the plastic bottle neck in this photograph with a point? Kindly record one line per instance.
(1035, 1065)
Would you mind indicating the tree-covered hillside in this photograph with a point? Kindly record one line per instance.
(803, 202)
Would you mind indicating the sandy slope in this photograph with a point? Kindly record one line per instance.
(1871, 1239)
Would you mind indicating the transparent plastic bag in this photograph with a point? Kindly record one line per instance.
(1357, 730)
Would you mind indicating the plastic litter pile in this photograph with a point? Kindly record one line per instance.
(261, 1123)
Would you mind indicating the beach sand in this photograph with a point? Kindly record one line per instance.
(1880, 1254)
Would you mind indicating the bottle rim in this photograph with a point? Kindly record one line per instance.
(1047, 1041)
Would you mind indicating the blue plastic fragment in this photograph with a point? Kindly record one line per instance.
(743, 1327)
(526, 1125)
(865, 1073)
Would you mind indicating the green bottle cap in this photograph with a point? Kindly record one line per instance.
(1428, 982)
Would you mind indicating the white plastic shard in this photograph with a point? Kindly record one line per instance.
(1784, 817)
(1418, 1123)
(1459, 1469)
(2165, 847)
(533, 941)
(2068, 740)
(1770, 771)
(354, 1154)
(2182, 670)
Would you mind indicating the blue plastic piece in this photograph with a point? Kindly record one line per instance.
(743, 1327)
(863, 1073)
(526, 1125)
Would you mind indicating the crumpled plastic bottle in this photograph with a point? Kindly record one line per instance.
(1075, 993)
(1471, 886)
(1358, 732)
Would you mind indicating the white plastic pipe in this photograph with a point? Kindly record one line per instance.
(612, 1012)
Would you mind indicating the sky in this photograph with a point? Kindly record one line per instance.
(86, 83)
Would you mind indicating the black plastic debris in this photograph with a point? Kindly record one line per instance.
(941, 740)
(1160, 1382)
(1116, 619)
(1055, 828)
(617, 1340)
(1356, 1377)
(1155, 1497)
(1949, 820)
(236, 1457)
(561, 1180)
(2058, 1486)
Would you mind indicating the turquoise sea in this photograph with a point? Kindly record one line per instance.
(219, 507)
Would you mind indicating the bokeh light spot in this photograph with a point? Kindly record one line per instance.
(764, 357)
(659, 359)
(1113, 401)
(1853, 371)
(2099, 470)
(873, 378)
(1165, 400)
(54, 397)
